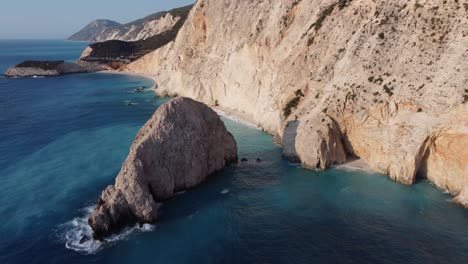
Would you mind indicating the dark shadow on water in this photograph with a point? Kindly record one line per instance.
(289, 141)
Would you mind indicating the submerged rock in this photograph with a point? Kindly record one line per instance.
(84, 239)
(179, 147)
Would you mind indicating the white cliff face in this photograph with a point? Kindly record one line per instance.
(134, 32)
(388, 73)
(104, 30)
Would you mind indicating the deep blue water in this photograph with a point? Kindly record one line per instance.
(62, 140)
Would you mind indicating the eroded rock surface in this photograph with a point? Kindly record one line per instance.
(103, 30)
(179, 147)
(445, 162)
(318, 142)
(389, 73)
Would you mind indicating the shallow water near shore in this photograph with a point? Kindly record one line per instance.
(63, 140)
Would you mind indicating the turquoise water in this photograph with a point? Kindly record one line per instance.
(62, 140)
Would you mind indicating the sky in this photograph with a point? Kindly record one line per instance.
(58, 19)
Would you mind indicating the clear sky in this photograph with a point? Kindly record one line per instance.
(46, 19)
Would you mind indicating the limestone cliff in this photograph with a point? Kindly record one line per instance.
(103, 30)
(385, 75)
(116, 53)
(179, 147)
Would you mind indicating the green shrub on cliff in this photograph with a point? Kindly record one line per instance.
(287, 110)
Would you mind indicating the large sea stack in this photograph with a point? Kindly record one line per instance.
(182, 144)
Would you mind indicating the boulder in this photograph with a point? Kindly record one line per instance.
(317, 142)
(178, 148)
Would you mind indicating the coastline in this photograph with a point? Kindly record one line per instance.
(230, 114)
(236, 116)
(355, 164)
(132, 74)
(352, 164)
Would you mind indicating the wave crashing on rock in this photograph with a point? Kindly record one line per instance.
(178, 148)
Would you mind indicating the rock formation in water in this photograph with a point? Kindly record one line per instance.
(387, 75)
(179, 147)
(103, 30)
(46, 68)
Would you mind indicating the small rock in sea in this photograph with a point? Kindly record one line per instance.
(129, 103)
(244, 160)
(84, 239)
(139, 89)
(259, 160)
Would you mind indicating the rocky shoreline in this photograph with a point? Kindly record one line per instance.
(46, 69)
(395, 101)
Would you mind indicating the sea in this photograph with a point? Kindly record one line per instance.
(63, 140)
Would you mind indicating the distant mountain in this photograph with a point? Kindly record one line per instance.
(98, 31)
(93, 29)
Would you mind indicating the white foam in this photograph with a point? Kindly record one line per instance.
(78, 228)
(352, 168)
(236, 119)
(225, 191)
(129, 103)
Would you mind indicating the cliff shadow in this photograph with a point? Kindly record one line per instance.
(289, 141)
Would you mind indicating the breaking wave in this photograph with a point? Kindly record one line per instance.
(78, 235)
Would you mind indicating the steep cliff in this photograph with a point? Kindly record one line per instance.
(386, 75)
(116, 53)
(104, 30)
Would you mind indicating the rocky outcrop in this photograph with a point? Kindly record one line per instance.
(179, 147)
(46, 68)
(445, 161)
(388, 73)
(318, 142)
(152, 25)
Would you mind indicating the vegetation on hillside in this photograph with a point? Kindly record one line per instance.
(287, 110)
(45, 65)
(131, 51)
